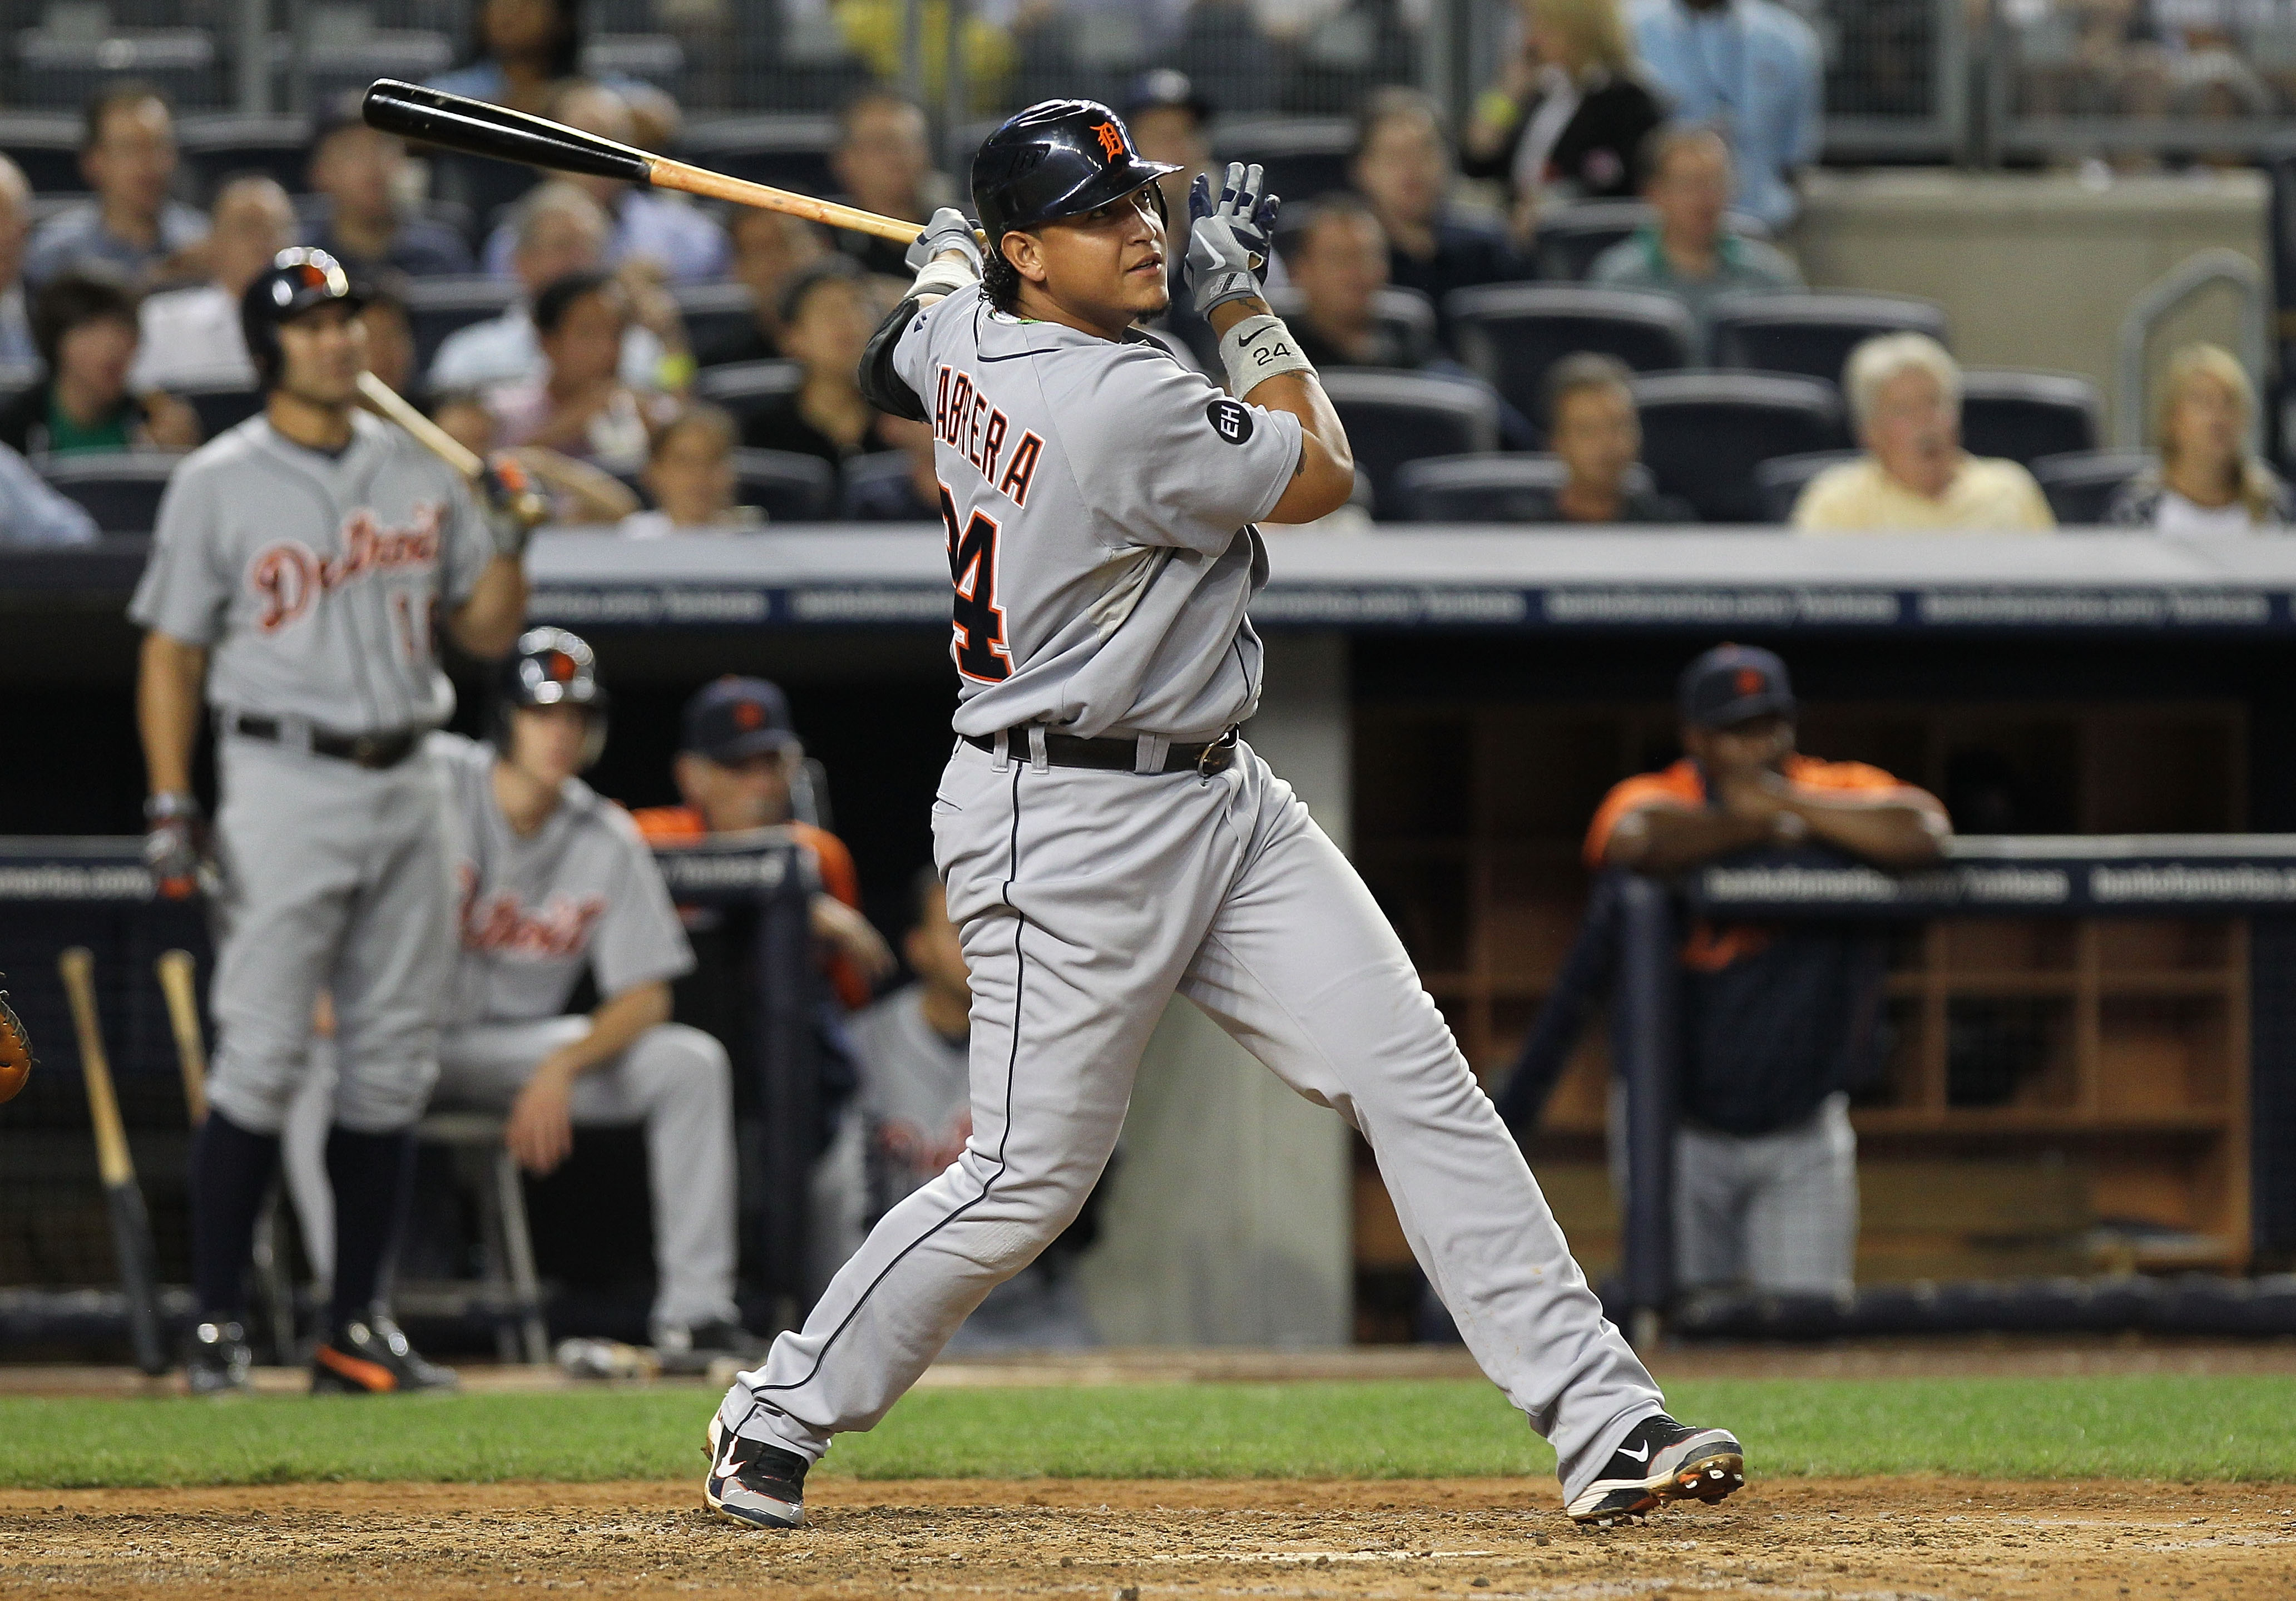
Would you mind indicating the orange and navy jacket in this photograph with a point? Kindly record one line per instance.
(682, 825)
(1709, 948)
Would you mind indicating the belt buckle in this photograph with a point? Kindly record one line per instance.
(1218, 753)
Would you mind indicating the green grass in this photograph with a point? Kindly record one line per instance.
(2140, 1427)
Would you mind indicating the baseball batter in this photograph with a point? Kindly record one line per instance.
(300, 566)
(1106, 839)
(551, 882)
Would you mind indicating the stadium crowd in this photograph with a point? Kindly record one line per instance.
(1599, 235)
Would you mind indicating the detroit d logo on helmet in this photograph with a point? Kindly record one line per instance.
(1111, 137)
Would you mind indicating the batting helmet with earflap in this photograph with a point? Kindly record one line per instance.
(551, 667)
(1060, 157)
(298, 280)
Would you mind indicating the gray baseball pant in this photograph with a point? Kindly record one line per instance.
(1774, 1211)
(1086, 899)
(673, 1079)
(334, 877)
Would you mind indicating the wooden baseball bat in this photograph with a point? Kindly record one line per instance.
(473, 127)
(177, 983)
(131, 1225)
(387, 402)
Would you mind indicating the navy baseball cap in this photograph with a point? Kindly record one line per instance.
(735, 718)
(1162, 87)
(1734, 684)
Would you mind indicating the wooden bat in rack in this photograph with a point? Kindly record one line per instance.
(178, 984)
(477, 128)
(131, 1225)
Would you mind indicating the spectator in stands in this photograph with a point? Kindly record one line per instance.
(86, 329)
(770, 250)
(1752, 69)
(690, 474)
(1567, 116)
(2208, 480)
(561, 230)
(883, 163)
(127, 154)
(580, 406)
(1403, 166)
(827, 317)
(1686, 250)
(1592, 427)
(1171, 121)
(741, 766)
(522, 51)
(579, 492)
(191, 336)
(1905, 396)
(1337, 256)
(362, 173)
(916, 1106)
(390, 334)
(31, 512)
(17, 351)
(662, 230)
(915, 496)
(1777, 1023)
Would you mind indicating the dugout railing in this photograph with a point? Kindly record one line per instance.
(2251, 877)
(59, 1277)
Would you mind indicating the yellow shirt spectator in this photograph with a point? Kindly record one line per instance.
(1986, 495)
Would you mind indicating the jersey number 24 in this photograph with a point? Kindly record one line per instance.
(977, 621)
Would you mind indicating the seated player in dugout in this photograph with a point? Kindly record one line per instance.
(741, 766)
(554, 880)
(1777, 1021)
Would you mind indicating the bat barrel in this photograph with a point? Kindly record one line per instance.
(478, 129)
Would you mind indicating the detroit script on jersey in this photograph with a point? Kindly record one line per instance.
(289, 575)
(498, 921)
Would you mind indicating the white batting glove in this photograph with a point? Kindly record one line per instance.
(949, 230)
(1227, 237)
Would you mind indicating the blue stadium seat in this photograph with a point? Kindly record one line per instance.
(439, 306)
(1571, 237)
(1704, 433)
(1392, 418)
(218, 147)
(714, 311)
(1408, 315)
(1503, 486)
(1783, 479)
(792, 486)
(1304, 157)
(866, 482)
(222, 406)
(46, 147)
(743, 387)
(2025, 417)
(2081, 484)
(1511, 334)
(120, 491)
(1813, 333)
(788, 150)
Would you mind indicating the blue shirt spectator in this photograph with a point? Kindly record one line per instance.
(359, 170)
(17, 351)
(33, 514)
(1752, 70)
(131, 228)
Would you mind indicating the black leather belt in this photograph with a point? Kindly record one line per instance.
(376, 750)
(1114, 755)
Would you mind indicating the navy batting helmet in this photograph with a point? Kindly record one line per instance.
(300, 279)
(551, 667)
(1060, 157)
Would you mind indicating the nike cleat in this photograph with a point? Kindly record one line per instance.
(1662, 1460)
(757, 1485)
(371, 1355)
(217, 1361)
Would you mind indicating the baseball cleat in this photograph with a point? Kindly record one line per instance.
(752, 1483)
(370, 1355)
(217, 1361)
(1662, 1460)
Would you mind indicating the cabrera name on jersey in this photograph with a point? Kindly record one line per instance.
(532, 912)
(1099, 499)
(312, 578)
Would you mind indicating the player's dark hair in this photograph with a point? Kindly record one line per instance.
(72, 300)
(1000, 280)
(559, 295)
(830, 269)
(1587, 370)
(119, 92)
(565, 48)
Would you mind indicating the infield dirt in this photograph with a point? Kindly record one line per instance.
(1867, 1538)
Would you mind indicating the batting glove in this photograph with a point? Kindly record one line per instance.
(175, 845)
(1227, 237)
(514, 507)
(947, 231)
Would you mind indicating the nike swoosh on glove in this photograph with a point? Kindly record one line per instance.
(1228, 237)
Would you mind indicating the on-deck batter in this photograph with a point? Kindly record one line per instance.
(1106, 840)
(298, 563)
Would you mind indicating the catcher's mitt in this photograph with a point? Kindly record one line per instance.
(15, 1051)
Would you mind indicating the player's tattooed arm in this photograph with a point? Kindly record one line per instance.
(1324, 478)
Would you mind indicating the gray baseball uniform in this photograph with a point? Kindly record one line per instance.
(1122, 488)
(311, 579)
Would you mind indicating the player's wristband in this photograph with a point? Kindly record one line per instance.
(170, 804)
(1257, 349)
(943, 274)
